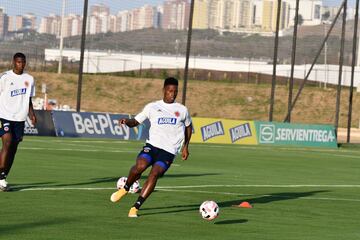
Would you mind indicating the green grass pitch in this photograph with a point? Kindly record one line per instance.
(62, 189)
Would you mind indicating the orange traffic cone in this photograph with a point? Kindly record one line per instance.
(244, 205)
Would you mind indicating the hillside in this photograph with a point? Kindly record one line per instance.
(205, 98)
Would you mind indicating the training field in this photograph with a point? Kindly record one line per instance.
(62, 189)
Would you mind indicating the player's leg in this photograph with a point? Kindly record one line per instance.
(17, 130)
(157, 171)
(12, 151)
(143, 161)
(4, 156)
(147, 189)
(135, 172)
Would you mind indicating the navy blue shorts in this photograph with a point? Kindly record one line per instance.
(15, 128)
(157, 156)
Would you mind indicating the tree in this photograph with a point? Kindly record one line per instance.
(325, 16)
(300, 20)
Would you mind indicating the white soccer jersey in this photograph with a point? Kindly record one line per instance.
(167, 124)
(15, 93)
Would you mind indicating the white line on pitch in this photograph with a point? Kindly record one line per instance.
(121, 141)
(66, 188)
(168, 189)
(77, 150)
(270, 186)
(198, 186)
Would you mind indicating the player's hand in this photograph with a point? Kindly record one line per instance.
(185, 153)
(122, 121)
(33, 119)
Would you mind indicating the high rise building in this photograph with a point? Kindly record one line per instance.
(225, 14)
(213, 13)
(94, 25)
(270, 8)
(18, 22)
(76, 25)
(29, 21)
(257, 12)
(50, 25)
(242, 14)
(310, 11)
(112, 23)
(99, 19)
(123, 21)
(201, 14)
(176, 14)
(4, 23)
(148, 17)
(159, 16)
(99, 9)
(12, 24)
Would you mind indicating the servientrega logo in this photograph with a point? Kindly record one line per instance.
(267, 133)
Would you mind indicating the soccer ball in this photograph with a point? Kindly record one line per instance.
(133, 189)
(121, 182)
(209, 210)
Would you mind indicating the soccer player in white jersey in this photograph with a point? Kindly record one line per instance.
(16, 90)
(170, 133)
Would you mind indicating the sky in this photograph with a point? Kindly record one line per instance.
(44, 7)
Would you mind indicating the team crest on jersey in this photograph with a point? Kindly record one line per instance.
(147, 149)
(26, 83)
(6, 125)
(166, 120)
(177, 114)
(6, 129)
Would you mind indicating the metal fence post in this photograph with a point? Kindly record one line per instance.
(341, 62)
(188, 48)
(276, 43)
(353, 70)
(83, 37)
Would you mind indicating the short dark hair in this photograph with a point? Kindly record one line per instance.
(19, 55)
(171, 81)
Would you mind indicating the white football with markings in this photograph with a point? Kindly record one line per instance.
(209, 210)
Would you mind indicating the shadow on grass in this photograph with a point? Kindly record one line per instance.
(11, 229)
(17, 187)
(232, 221)
(263, 199)
(272, 197)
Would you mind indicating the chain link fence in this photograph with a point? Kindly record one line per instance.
(232, 44)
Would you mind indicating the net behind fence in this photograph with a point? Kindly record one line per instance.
(232, 44)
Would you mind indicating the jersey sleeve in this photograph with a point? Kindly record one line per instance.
(143, 115)
(187, 120)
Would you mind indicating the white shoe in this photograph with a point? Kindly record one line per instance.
(3, 185)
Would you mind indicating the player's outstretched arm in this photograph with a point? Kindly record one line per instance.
(31, 114)
(185, 149)
(128, 122)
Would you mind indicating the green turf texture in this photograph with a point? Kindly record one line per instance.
(279, 212)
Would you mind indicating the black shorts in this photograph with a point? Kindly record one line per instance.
(157, 156)
(15, 128)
